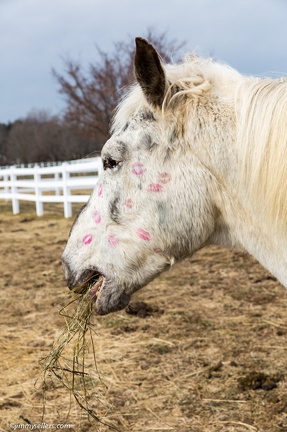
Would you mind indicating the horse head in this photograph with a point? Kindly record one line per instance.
(155, 201)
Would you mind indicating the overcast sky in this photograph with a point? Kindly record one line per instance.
(35, 35)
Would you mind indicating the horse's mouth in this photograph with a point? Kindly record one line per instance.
(105, 294)
(93, 283)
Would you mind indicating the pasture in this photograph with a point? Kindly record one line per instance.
(203, 348)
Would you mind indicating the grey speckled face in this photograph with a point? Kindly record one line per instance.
(119, 234)
(146, 211)
(140, 219)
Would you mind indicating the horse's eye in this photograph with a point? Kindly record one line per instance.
(110, 163)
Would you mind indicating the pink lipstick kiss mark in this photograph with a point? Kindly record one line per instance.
(129, 203)
(138, 168)
(87, 239)
(144, 235)
(96, 217)
(154, 187)
(100, 189)
(113, 241)
(164, 177)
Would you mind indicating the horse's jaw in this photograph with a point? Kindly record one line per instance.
(110, 286)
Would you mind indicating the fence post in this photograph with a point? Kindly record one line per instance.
(66, 191)
(64, 188)
(6, 188)
(57, 178)
(38, 193)
(15, 201)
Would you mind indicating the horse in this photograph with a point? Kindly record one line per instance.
(197, 156)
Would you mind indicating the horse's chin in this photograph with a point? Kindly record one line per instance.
(108, 298)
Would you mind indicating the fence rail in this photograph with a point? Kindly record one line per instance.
(52, 184)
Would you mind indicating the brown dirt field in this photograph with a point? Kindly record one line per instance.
(205, 353)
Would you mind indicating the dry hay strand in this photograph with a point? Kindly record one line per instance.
(67, 360)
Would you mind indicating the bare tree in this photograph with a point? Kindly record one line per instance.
(92, 97)
(41, 137)
(4, 133)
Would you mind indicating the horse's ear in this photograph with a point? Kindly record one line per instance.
(149, 72)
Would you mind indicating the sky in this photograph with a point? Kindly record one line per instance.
(37, 35)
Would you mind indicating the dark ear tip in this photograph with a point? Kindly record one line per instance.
(141, 42)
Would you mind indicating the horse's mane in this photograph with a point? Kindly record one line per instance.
(261, 110)
(262, 149)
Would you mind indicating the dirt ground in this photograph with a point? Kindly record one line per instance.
(204, 351)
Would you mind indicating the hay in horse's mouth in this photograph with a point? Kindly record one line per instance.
(66, 361)
(92, 284)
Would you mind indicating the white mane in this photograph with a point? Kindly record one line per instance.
(262, 149)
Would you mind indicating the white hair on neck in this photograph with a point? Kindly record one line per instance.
(262, 149)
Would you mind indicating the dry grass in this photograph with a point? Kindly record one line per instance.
(67, 360)
(204, 351)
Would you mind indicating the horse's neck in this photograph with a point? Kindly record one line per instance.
(240, 230)
(237, 225)
(267, 250)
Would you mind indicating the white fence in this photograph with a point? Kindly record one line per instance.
(54, 184)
